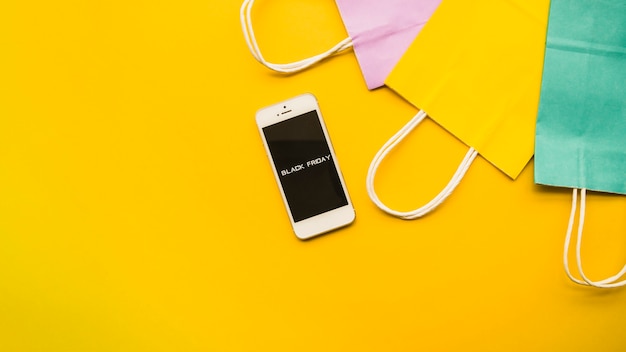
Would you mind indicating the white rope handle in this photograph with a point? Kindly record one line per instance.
(431, 205)
(248, 33)
(606, 283)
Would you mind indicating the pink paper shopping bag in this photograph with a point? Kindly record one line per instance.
(379, 31)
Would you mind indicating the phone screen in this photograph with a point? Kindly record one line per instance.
(305, 167)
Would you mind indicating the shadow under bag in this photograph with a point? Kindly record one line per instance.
(581, 123)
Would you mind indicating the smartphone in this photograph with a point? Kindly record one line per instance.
(305, 166)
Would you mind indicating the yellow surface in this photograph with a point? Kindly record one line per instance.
(138, 211)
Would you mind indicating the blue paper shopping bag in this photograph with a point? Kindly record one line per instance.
(581, 123)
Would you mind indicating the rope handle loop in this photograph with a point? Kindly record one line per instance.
(439, 198)
(610, 282)
(248, 33)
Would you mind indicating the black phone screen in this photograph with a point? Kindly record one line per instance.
(305, 166)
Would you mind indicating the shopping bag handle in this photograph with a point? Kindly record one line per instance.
(248, 33)
(432, 204)
(611, 282)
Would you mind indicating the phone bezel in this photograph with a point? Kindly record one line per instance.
(323, 222)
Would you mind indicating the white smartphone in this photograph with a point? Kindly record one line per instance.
(305, 166)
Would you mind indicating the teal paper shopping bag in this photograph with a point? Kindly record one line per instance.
(581, 123)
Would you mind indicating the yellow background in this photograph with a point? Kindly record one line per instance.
(138, 211)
